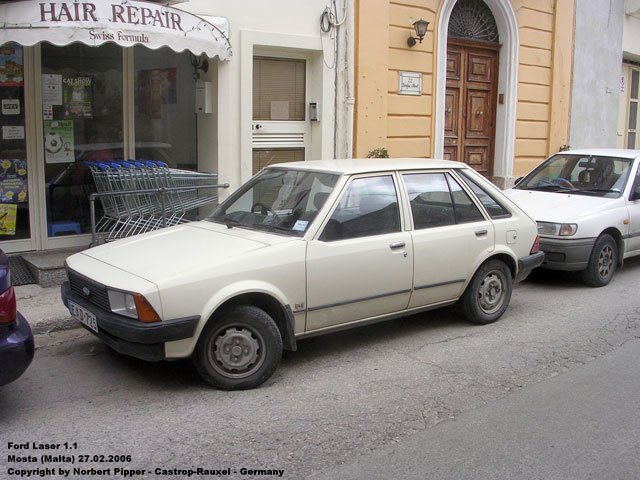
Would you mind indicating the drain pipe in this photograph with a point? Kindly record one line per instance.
(344, 85)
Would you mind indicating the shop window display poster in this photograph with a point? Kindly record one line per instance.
(11, 70)
(77, 96)
(8, 213)
(51, 89)
(13, 181)
(58, 141)
(156, 87)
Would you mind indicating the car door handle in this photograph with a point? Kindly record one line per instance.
(479, 233)
(396, 245)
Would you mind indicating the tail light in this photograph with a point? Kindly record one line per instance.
(536, 245)
(8, 306)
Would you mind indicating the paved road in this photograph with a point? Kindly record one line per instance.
(584, 423)
(336, 400)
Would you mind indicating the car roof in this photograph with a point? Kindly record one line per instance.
(604, 152)
(369, 165)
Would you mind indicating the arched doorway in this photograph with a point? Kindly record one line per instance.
(478, 31)
(473, 49)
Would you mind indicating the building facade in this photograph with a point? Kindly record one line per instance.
(628, 108)
(224, 87)
(489, 84)
(596, 73)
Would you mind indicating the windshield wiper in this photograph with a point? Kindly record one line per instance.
(597, 190)
(230, 222)
(551, 188)
(264, 226)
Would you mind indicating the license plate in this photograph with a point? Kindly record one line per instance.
(84, 316)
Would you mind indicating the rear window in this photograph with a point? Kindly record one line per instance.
(494, 207)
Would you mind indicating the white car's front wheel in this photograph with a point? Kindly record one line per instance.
(239, 349)
(602, 262)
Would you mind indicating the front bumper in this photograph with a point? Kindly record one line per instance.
(129, 336)
(566, 254)
(528, 263)
(16, 349)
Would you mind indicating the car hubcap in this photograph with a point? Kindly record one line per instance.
(237, 352)
(605, 261)
(491, 292)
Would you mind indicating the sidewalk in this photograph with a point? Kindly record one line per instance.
(43, 308)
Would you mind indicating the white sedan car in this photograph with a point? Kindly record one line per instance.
(304, 249)
(587, 205)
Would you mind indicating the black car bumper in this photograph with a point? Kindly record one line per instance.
(569, 255)
(528, 263)
(16, 349)
(129, 336)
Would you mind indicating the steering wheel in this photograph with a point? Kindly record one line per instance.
(563, 182)
(264, 210)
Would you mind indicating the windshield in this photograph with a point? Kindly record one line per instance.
(279, 200)
(580, 174)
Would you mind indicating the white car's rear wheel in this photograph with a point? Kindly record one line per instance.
(488, 295)
(241, 349)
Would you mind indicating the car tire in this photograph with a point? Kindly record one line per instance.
(238, 349)
(602, 262)
(488, 294)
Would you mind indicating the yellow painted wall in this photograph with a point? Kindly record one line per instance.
(404, 124)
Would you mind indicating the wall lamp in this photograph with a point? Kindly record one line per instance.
(420, 26)
(200, 64)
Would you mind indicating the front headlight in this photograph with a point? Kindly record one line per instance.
(557, 229)
(132, 305)
(123, 303)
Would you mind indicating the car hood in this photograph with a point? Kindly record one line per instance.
(558, 207)
(165, 254)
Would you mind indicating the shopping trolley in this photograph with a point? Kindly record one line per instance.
(139, 196)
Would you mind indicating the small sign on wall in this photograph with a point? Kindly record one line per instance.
(410, 83)
(10, 107)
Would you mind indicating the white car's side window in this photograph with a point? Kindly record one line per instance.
(437, 199)
(368, 207)
(636, 181)
(494, 208)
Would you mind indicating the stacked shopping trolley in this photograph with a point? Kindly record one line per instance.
(140, 196)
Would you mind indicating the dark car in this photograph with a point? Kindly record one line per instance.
(16, 339)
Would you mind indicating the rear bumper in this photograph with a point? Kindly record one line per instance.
(16, 349)
(528, 263)
(569, 255)
(131, 337)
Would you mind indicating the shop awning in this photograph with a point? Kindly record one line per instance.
(124, 22)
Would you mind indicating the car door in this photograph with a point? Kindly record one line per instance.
(361, 264)
(633, 207)
(450, 236)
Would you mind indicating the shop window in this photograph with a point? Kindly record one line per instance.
(83, 121)
(165, 119)
(14, 198)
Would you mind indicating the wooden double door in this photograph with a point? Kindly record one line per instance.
(470, 105)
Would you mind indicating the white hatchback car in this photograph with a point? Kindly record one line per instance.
(587, 205)
(304, 249)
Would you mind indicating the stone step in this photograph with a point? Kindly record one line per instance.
(48, 266)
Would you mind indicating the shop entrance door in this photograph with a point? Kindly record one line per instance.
(470, 113)
(82, 123)
(280, 128)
